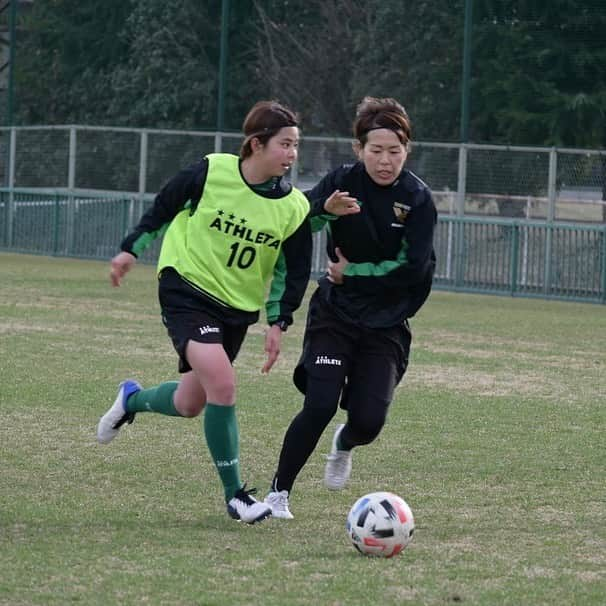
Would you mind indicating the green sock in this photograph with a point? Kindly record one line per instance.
(222, 437)
(155, 399)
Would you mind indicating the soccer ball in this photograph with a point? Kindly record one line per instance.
(380, 524)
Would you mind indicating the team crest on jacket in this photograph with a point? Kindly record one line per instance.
(400, 211)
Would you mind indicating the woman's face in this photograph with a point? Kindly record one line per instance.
(383, 155)
(278, 154)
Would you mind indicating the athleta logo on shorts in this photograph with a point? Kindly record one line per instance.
(204, 330)
(327, 360)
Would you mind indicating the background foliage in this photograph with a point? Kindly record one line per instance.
(536, 74)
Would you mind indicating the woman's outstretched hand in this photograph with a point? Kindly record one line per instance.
(273, 338)
(341, 203)
(121, 264)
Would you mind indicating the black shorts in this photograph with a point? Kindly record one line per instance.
(189, 315)
(359, 359)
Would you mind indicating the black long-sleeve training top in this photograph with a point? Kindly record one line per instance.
(389, 244)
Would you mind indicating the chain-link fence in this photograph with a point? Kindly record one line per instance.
(517, 220)
(486, 180)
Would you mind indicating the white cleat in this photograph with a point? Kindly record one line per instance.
(338, 464)
(111, 422)
(246, 508)
(278, 501)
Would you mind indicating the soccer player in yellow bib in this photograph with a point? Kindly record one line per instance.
(231, 226)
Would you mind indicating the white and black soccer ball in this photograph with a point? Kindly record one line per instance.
(380, 524)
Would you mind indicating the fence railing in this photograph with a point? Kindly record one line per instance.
(474, 254)
(522, 258)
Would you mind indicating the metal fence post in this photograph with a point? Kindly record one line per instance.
(604, 264)
(460, 210)
(70, 218)
(294, 172)
(127, 208)
(71, 164)
(143, 152)
(551, 214)
(552, 184)
(461, 179)
(56, 216)
(514, 256)
(10, 209)
(4, 207)
(143, 143)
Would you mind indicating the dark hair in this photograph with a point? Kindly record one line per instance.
(263, 121)
(373, 113)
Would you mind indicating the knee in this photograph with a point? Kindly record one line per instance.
(321, 400)
(364, 428)
(190, 409)
(221, 391)
(363, 433)
(189, 403)
(319, 413)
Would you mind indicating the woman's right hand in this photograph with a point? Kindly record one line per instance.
(120, 265)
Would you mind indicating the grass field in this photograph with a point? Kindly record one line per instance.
(496, 439)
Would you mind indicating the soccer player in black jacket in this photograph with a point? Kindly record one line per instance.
(357, 337)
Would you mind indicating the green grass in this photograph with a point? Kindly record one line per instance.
(496, 439)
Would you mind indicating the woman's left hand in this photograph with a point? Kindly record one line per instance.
(336, 270)
(273, 338)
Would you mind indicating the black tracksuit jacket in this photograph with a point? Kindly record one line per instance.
(389, 245)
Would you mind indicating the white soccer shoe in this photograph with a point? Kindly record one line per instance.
(278, 501)
(338, 464)
(111, 422)
(246, 508)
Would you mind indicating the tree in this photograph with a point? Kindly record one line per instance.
(134, 63)
(63, 49)
(538, 73)
(307, 56)
(415, 55)
(169, 77)
(325, 56)
(537, 66)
